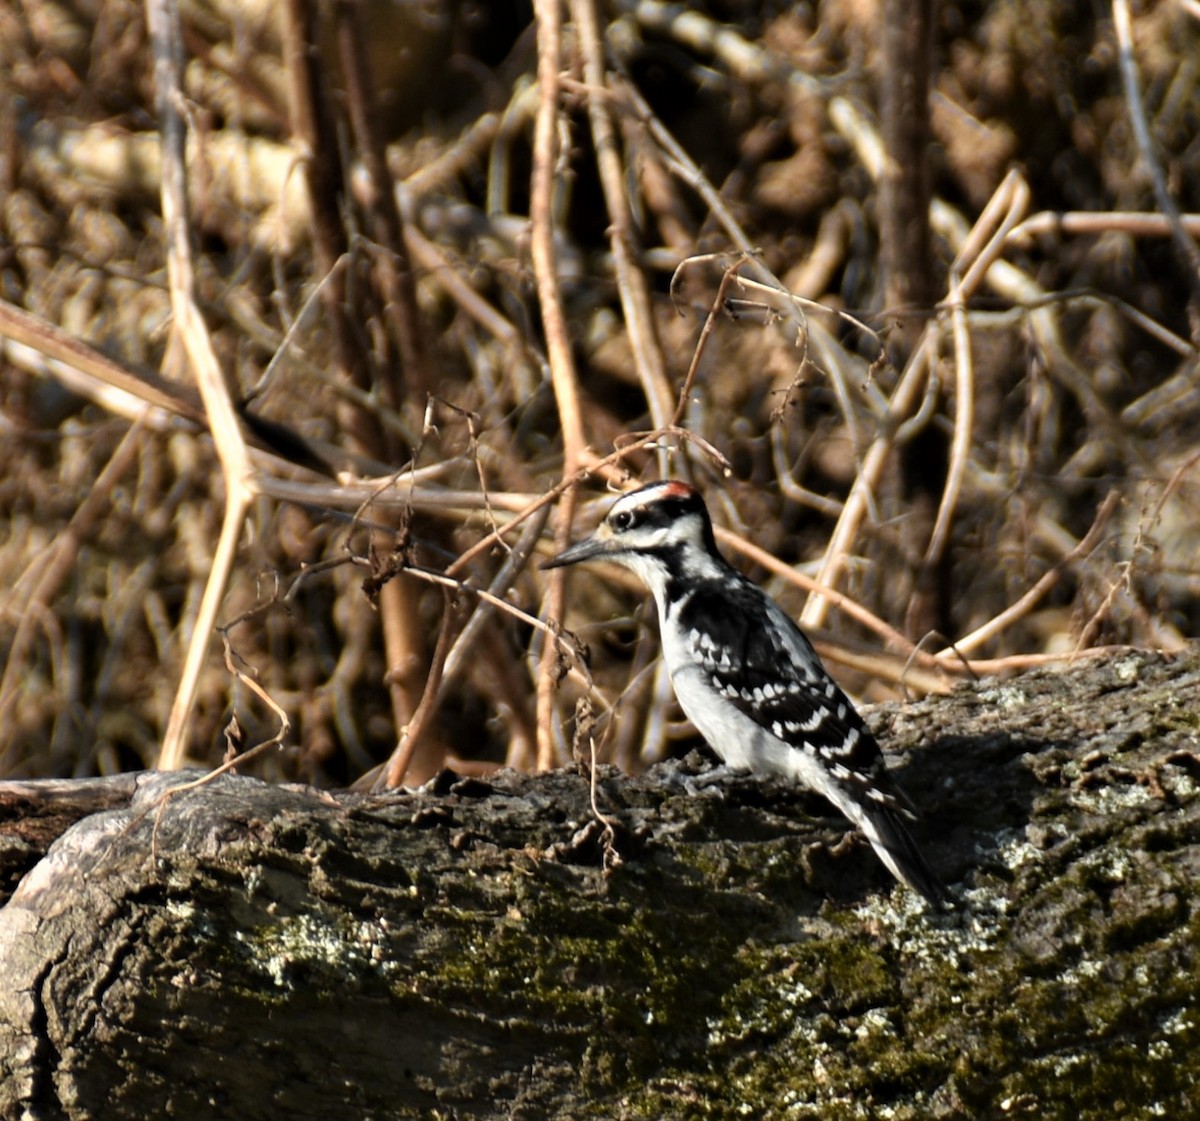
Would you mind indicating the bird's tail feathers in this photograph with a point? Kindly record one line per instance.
(893, 843)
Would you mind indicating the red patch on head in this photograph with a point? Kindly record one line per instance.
(676, 489)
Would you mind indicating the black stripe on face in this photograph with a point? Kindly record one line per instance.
(664, 505)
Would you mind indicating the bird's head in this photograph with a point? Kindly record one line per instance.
(657, 531)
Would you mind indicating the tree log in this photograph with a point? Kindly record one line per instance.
(494, 950)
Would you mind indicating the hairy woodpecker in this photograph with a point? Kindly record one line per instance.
(746, 675)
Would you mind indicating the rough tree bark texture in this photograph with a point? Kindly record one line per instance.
(254, 951)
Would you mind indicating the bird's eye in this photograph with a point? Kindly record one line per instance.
(622, 520)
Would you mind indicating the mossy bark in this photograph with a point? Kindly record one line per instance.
(463, 951)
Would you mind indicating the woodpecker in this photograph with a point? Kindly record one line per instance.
(746, 675)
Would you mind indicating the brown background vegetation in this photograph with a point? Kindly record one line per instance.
(1044, 456)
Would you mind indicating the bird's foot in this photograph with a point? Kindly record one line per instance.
(707, 783)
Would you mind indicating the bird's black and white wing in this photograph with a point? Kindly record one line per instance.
(758, 693)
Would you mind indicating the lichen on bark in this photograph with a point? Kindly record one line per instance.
(463, 950)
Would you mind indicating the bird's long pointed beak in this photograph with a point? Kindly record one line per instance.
(587, 549)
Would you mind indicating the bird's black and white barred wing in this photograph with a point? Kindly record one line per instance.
(758, 660)
(776, 697)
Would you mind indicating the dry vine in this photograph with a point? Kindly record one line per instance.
(423, 338)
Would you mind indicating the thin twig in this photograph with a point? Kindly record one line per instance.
(546, 155)
(631, 281)
(1087, 222)
(393, 772)
(1035, 594)
(514, 564)
(1185, 247)
(315, 298)
(240, 759)
(984, 245)
(903, 400)
(138, 392)
(163, 20)
(964, 422)
(250, 680)
(392, 267)
(437, 264)
(716, 308)
(843, 603)
(54, 567)
(567, 484)
(449, 663)
(986, 241)
(611, 858)
(314, 134)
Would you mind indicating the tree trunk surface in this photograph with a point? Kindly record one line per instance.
(494, 950)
